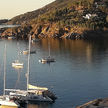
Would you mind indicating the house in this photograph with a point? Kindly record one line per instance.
(88, 16)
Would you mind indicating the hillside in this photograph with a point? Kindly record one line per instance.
(34, 14)
(62, 18)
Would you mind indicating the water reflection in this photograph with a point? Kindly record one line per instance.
(77, 48)
(78, 75)
(42, 105)
(18, 78)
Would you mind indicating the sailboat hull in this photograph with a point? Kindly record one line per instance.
(47, 60)
(7, 104)
(17, 64)
(3, 106)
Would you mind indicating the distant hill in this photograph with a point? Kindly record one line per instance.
(34, 14)
(64, 18)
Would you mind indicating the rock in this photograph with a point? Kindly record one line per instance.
(98, 103)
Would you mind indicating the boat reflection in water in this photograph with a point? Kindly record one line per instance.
(42, 105)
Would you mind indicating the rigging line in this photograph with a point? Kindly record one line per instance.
(28, 67)
(4, 69)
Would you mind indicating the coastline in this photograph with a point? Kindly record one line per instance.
(97, 103)
(39, 31)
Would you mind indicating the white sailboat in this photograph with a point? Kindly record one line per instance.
(33, 94)
(49, 58)
(17, 63)
(5, 100)
(25, 52)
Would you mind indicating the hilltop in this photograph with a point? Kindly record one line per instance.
(63, 19)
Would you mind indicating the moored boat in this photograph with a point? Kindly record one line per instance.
(48, 60)
(17, 64)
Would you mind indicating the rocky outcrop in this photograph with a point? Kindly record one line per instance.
(42, 31)
(52, 30)
(17, 32)
(98, 103)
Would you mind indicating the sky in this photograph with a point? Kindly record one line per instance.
(12, 8)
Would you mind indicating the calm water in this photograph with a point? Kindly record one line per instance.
(80, 73)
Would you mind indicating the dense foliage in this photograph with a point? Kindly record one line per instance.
(91, 14)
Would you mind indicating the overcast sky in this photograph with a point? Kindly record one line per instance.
(11, 8)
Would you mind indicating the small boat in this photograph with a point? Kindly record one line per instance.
(48, 60)
(25, 52)
(17, 64)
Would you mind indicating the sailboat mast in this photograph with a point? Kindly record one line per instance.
(4, 69)
(28, 67)
(49, 46)
(18, 49)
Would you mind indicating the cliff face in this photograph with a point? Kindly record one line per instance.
(62, 19)
(98, 103)
(43, 31)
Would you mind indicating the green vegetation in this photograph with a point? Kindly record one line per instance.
(66, 15)
(69, 13)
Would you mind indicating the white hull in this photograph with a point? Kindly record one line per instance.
(6, 102)
(47, 60)
(17, 64)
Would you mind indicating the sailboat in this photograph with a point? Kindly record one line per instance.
(33, 94)
(49, 58)
(5, 100)
(25, 52)
(17, 63)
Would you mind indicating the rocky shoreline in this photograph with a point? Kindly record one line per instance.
(39, 31)
(97, 103)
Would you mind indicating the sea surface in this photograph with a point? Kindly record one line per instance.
(79, 75)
